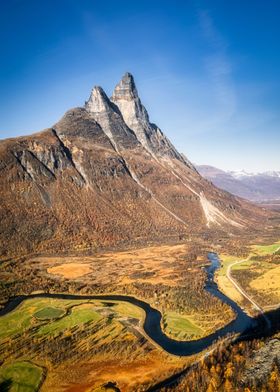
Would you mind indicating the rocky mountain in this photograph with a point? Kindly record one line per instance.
(259, 187)
(104, 175)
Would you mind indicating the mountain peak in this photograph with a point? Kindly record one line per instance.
(98, 101)
(135, 115)
(125, 89)
(128, 78)
(109, 118)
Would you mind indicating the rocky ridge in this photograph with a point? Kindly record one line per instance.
(103, 176)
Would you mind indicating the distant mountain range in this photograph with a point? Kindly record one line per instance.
(104, 175)
(258, 187)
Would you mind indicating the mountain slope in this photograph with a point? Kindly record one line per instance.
(103, 176)
(257, 187)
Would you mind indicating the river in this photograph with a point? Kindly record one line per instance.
(152, 320)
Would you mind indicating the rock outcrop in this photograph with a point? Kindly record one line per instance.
(126, 98)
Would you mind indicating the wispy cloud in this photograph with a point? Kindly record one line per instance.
(218, 65)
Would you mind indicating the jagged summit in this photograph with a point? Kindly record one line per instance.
(98, 101)
(135, 115)
(108, 116)
(125, 96)
(125, 89)
(124, 116)
(104, 175)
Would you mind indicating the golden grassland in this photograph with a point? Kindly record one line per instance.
(258, 275)
(149, 265)
(157, 269)
(224, 283)
(85, 344)
(92, 344)
(269, 280)
(70, 270)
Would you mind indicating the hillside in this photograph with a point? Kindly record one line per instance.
(104, 175)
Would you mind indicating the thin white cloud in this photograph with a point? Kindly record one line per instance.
(218, 66)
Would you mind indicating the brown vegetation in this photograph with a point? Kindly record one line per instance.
(233, 368)
(70, 270)
(170, 278)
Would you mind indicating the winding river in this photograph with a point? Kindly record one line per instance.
(152, 320)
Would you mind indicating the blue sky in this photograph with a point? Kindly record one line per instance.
(207, 71)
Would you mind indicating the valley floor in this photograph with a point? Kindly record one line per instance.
(80, 345)
(253, 281)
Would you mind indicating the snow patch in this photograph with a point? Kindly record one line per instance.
(243, 173)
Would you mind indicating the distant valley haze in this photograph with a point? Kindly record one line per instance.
(261, 187)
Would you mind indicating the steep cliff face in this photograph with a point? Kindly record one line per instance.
(102, 176)
(126, 98)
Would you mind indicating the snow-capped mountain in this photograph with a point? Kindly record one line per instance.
(258, 187)
(243, 173)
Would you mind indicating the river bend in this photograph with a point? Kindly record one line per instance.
(152, 325)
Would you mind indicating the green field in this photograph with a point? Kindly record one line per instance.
(49, 321)
(181, 327)
(23, 317)
(128, 310)
(49, 313)
(61, 314)
(20, 377)
(244, 265)
(79, 315)
(256, 275)
(226, 260)
(263, 250)
(260, 250)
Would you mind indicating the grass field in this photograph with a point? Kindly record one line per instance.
(20, 377)
(223, 282)
(259, 278)
(24, 316)
(92, 343)
(181, 327)
(49, 313)
(34, 311)
(156, 274)
(80, 314)
(244, 265)
(128, 310)
(263, 250)
(70, 270)
(269, 280)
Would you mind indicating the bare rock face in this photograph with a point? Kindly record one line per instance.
(125, 96)
(261, 362)
(104, 175)
(110, 119)
(98, 102)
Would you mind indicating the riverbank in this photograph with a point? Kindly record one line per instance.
(152, 322)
